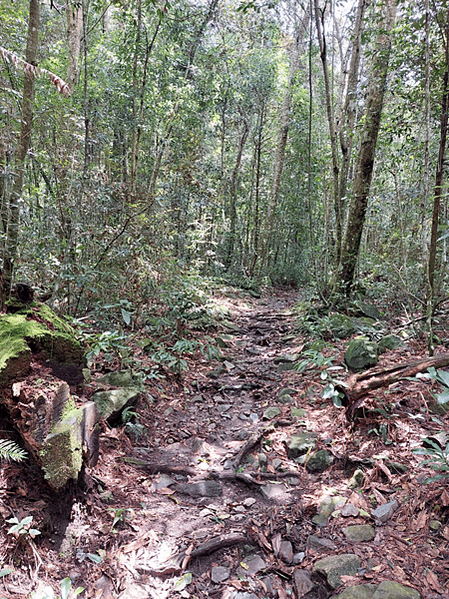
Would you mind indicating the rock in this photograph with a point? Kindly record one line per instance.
(286, 398)
(327, 507)
(300, 443)
(204, 488)
(219, 574)
(320, 543)
(249, 501)
(299, 557)
(302, 582)
(359, 533)
(286, 391)
(135, 591)
(396, 467)
(393, 590)
(120, 378)
(341, 326)
(346, 564)
(271, 412)
(357, 480)
(111, 403)
(350, 510)
(164, 481)
(368, 309)
(361, 591)
(319, 461)
(263, 460)
(286, 552)
(251, 566)
(435, 525)
(245, 595)
(384, 512)
(298, 413)
(286, 359)
(389, 342)
(361, 354)
(272, 491)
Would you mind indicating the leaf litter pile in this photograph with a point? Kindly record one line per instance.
(198, 492)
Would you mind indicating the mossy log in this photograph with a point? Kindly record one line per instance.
(59, 435)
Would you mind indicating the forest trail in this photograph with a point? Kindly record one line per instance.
(214, 499)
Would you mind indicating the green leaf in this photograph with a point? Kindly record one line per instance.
(443, 398)
(66, 585)
(94, 558)
(328, 391)
(126, 316)
(443, 377)
(6, 571)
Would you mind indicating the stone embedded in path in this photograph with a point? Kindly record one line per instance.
(319, 461)
(384, 512)
(219, 574)
(250, 566)
(359, 533)
(386, 590)
(350, 510)
(357, 479)
(286, 552)
(320, 543)
(119, 378)
(272, 490)
(361, 591)
(335, 566)
(271, 412)
(327, 507)
(302, 582)
(341, 326)
(300, 443)
(204, 488)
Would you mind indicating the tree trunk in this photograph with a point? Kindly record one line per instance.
(74, 15)
(12, 233)
(438, 192)
(365, 160)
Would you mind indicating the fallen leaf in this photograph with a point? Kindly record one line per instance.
(433, 582)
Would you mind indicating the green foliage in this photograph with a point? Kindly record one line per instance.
(22, 528)
(11, 451)
(130, 419)
(313, 359)
(121, 516)
(442, 377)
(66, 591)
(438, 459)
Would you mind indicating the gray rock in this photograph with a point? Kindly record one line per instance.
(219, 574)
(389, 342)
(359, 533)
(346, 564)
(263, 460)
(298, 413)
(300, 443)
(245, 595)
(135, 591)
(271, 412)
(204, 488)
(350, 510)
(272, 491)
(384, 512)
(361, 591)
(329, 505)
(120, 378)
(249, 501)
(393, 590)
(286, 391)
(253, 565)
(163, 482)
(303, 583)
(299, 557)
(357, 479)
(320, 543)
(368, 309)
(319, 461)
(286, 552)
(341, 326)
(361, 354)
(286, 398)
(111, 403)
(286, 359)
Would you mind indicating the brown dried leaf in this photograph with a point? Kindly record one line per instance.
(421, 520)
(433, 582)
(276, 543)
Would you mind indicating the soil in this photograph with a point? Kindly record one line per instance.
(136, 524)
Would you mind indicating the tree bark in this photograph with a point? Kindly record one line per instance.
(74, 16)
(12, 232)
(365, 160)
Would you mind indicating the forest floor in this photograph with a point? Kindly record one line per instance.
(140, 526)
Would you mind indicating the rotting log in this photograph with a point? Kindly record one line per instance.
(359, 385)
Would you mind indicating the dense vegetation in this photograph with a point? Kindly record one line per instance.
(222, 139)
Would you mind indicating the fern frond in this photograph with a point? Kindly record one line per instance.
(11, 451)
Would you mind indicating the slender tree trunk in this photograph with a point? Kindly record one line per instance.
(12, 233)
(74, 16)
(438, 192)
(365, 160)
(233, 192)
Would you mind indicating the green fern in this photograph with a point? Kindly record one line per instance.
(11, 451)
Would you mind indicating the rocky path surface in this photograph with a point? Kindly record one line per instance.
(244, 496)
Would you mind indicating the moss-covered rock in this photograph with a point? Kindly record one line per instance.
(361, 354)
(32, 330)
(341, 326)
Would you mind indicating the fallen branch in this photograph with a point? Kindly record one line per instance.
(359, 385)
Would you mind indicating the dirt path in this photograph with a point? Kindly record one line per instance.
(210, 502)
